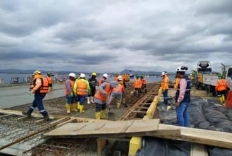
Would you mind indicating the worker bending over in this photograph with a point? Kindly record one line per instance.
(101, 98)
(137, 85)
(183, 97)
(39, 89)
(92, 83)
(81, 90)
(118, 93)
(164, 86)
(69, 94)
(221, 88)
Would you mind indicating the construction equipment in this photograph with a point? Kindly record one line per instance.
(207, 79)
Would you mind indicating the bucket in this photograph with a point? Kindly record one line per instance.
(229, 100)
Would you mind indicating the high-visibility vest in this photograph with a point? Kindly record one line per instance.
(103, 97)
(177, 81)
(164, 82)
(144, 81)
(81, 88)
(119, 88)
(49, 80)
(71, 87)
(221, 85)
(137, 83)
(43, 88)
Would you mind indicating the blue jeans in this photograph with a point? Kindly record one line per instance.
(38, 102)
(81, 99)
(182, 114)
(165, 95)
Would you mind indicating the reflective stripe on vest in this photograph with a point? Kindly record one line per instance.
(81, 87)
(103, 97)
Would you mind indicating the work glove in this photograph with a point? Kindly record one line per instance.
(31, 92)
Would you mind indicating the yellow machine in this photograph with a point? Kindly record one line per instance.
(126, 77)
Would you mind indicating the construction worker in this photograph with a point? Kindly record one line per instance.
(137, 85)
(39, 89)
(70, 98)
(81, 90)
(144, 84)
(92, 83)
(50, 81)
(101, 98)
(221, 88)
(118, 93)
(116, 77)
(164, 86)
(177, 81)
(103, 79)
(182, 97)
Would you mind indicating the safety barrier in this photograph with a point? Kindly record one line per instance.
(136, 142)
(229, 100)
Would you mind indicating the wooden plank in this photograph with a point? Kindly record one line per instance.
(198, 150)
(105, 127)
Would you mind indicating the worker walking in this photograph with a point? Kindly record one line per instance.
(103, 79)
(118, 93)
(101, 98)
(182, 97)
(92, 83)
(69, 94)
(144, 84)
(137, 85)
(81, 90)
(164, 86)
(39, 89)
(50, 81)
(221, 88)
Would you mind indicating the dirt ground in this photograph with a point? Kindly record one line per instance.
(57, 106)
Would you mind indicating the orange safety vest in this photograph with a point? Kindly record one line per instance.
(49, 80)
(71, 86)
(177, 81)
(221, 85)
(103, 97)
(81, 87)
(44, 86)
(115, 78)
(164, 82)
(119, 88)
(144, 81)
(137, 83)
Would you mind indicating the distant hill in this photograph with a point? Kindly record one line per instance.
(128, 71)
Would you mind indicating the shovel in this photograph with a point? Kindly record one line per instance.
(110, 114)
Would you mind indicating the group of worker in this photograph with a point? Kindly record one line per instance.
(183, 89)
(140, 85)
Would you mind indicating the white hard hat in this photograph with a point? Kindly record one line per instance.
(105, 75)
(120, 78)
(82, 75)
(164, 72)
(182, 69)
(72, 75)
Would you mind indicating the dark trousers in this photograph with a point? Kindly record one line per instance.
(93, 90)
(100, 107)
(165, 95)
(38, 102)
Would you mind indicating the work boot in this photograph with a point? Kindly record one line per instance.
(82, 109)
(78, 106)
(46, 117)
(88, 100)
(91, 99)
(73, 107)
(103, 114)
(67, 108)
(26, 113)
(98, 115)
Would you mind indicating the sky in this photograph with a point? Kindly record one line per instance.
(109, 36)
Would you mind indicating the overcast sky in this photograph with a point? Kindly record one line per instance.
(111, 35)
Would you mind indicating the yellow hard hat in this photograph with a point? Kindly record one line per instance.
(94, 74)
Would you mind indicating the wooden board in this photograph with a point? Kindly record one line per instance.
(198, 150)
(106, 127)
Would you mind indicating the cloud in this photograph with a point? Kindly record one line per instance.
(109, 36)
